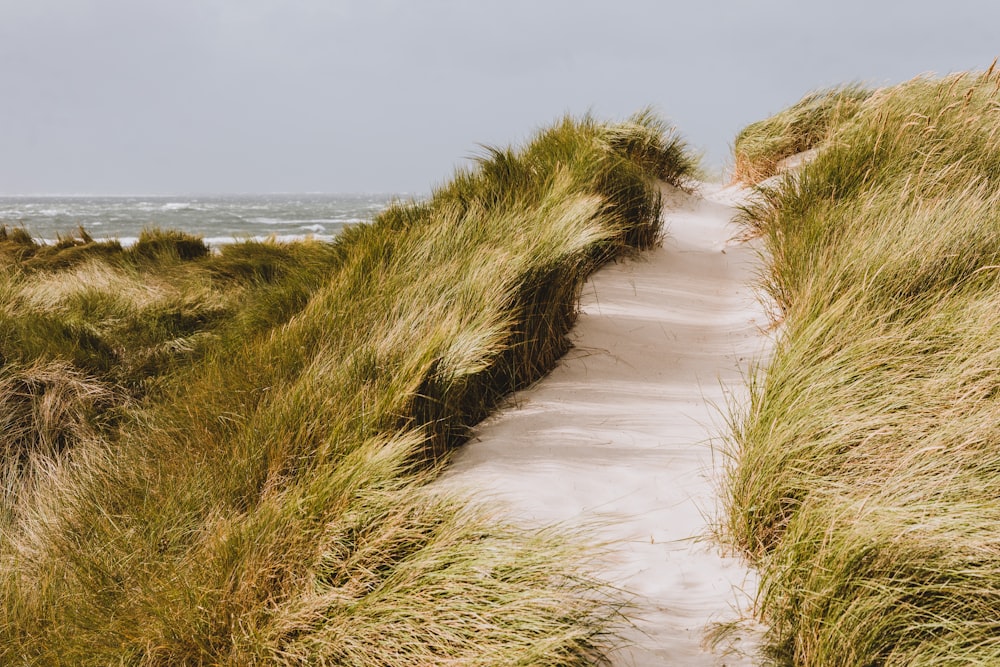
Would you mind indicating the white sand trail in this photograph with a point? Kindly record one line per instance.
(619, 434)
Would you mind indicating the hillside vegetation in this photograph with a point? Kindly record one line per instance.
(221, 458)
(866, 470)
(760, 147)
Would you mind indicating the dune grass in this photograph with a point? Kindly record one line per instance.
(866, 469)
(760, 147)
(236, 469)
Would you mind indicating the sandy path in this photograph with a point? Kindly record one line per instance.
(619, 433)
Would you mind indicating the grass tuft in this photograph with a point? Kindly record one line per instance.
(156, 243)
(761, 146)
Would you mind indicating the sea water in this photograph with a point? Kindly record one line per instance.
(216, 218)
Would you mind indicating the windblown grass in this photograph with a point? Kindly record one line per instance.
(761, 146)
(866, 476)
(259, 496)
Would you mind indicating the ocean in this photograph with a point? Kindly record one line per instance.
(218, 219)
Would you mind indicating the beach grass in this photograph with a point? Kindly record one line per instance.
(222, 458)
(864, 470)
(760, 147)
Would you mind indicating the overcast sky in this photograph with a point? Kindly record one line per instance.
(198, 96)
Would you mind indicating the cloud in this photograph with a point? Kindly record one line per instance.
(262, 95)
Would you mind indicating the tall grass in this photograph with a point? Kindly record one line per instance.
(866, 475)
(760, 147)
(259, 497)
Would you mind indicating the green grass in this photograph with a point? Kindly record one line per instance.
(865, 477)
(236, 473)
(761, 146)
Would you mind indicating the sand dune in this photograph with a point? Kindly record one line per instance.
(620, 434)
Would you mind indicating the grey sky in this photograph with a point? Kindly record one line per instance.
(181, 96)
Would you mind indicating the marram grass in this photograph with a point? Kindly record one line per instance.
(761, 146)
(221, 459)
(866, 470)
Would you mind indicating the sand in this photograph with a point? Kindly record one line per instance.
(623, 435)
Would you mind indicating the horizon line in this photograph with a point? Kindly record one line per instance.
(194, 195)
